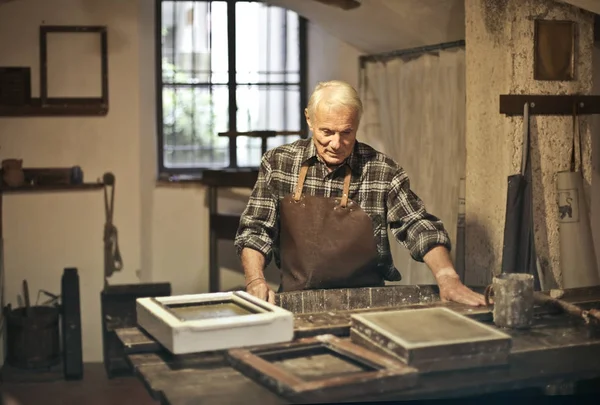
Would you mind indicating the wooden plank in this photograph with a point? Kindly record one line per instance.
(240, 391)
(512, 104)
(135, 340)
(198, 379)
(293, 301)
(313, 302)
(91, 107)
(383, 297)
(343, 299)
(230, 178)
(359, 298)
(576, 295)
(50, 188)
(319, 324)
(339, 300)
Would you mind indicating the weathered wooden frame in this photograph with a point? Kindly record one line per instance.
(386, 375)
(431, 356)
(101, 102)
(546, 31)
(267, 324)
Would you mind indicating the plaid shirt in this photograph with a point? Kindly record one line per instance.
(379, 185)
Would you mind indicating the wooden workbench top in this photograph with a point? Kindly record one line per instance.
(556, 349)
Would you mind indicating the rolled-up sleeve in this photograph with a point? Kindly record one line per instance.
(410, 223)
(258, 223)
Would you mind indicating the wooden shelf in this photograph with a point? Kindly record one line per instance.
(51, 188)
(56, 107)
(512, 104)
(230, 178)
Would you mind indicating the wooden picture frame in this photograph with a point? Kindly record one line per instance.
(431, 339)
(554, 50)
(100, 101)
(215, 321)
(383, 374)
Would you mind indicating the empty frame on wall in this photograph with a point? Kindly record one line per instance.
(79, 60)
(73, 74)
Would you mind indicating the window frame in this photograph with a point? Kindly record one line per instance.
(196, 172)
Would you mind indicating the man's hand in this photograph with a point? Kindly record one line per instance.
(253, 263)
(452, 289)
(260, 289)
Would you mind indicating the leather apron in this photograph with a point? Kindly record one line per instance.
(326, 242)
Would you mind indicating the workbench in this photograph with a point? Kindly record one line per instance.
(558, 349)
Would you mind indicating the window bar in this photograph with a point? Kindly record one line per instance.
(284, 53)
(173, 131)
(302, 27)
(270, 11)
(193, 76)
(231, 35)
(173, 149)
(261, 84)
(158, 78)
(211, 124)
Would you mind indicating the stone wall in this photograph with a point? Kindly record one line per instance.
(499, 60)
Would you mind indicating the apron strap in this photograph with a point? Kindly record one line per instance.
(300, 185)
(346, 190)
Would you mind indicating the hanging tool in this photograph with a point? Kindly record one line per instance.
(112, 256)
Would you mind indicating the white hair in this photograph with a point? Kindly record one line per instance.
(335, 93)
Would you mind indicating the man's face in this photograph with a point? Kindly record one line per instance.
(334, 132)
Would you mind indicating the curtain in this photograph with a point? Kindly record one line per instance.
(414, 111)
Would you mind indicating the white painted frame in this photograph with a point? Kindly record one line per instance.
(270, 324)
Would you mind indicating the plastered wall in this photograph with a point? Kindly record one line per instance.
(499, 34)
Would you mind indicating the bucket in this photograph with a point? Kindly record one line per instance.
(33, 338)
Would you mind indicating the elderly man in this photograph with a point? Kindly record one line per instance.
(322, 207)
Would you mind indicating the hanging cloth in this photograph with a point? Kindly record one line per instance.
(578, 262)
(518, 254)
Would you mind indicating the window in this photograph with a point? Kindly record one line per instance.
(227, 66)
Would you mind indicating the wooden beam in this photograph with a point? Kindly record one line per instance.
(512, 104)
